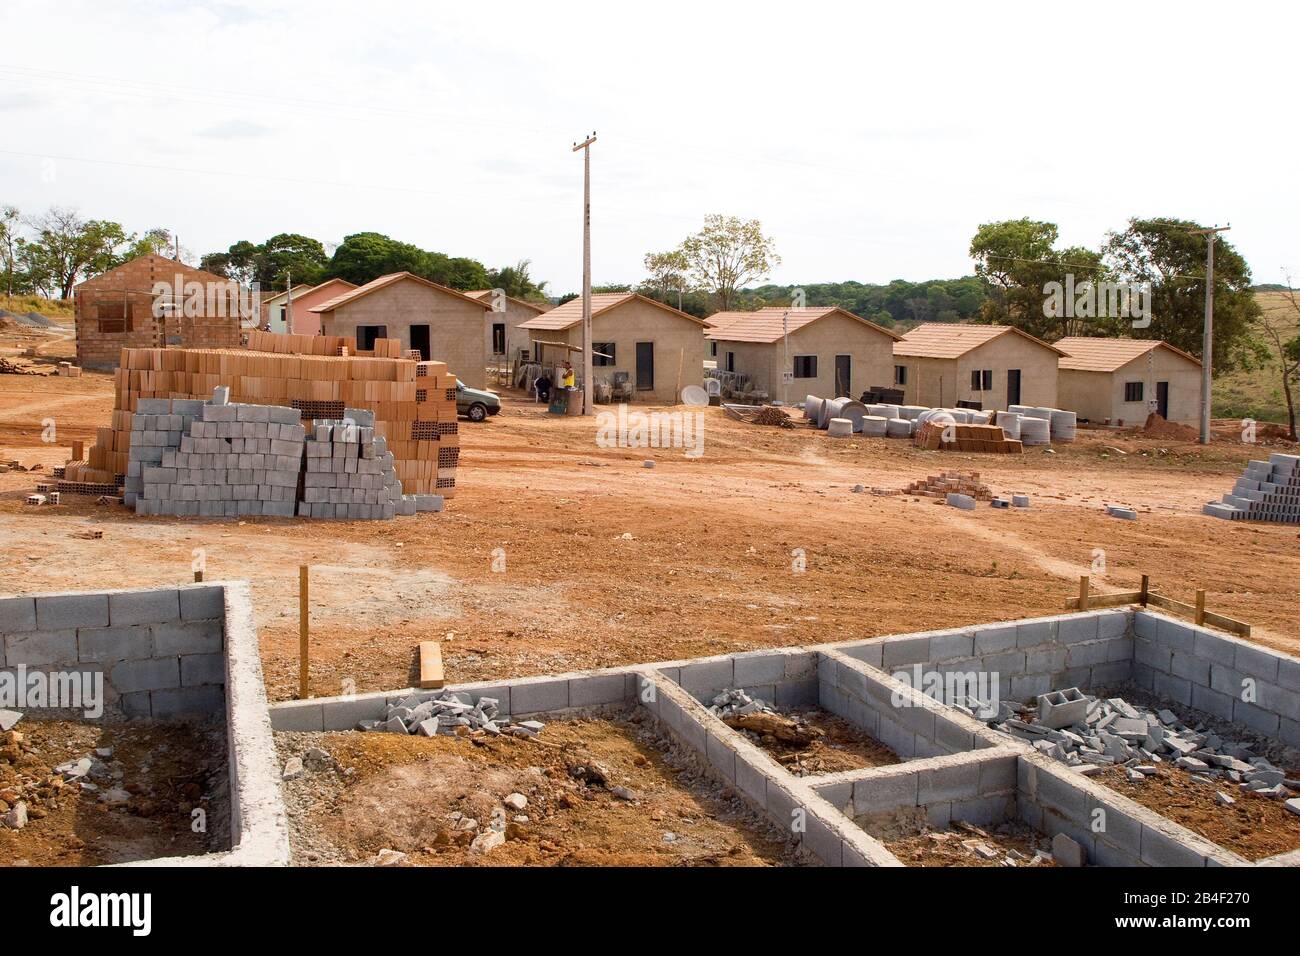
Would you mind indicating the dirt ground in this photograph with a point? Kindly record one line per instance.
(908, 836)
(842, 746)
(757, 543)
(606, 790)
(148, 780)
(1254, 826)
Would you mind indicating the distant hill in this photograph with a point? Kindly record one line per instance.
(1257, 393)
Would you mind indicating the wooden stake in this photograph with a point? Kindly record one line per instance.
(1146, 589)
(1200, 608)
(303, 693)
(198, 576)
(1083, 592)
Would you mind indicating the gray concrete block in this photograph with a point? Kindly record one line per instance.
(904, 651)
(538, 696)
(1278, 700)
(17, 614)
(1025, 686)
(1212, 702)
(114, 643)
(344, 713)
(297, 715)
(1085, 655)
(1152, 654)
(188, 637)
(871, 654)
(751, 781)
(152, 674)
(886, 791)
(952, 737)
(199, 669)
(1256, 718)
(1056, 791)
(1190, 667)
(704, 679)
(997, 774)
(1175, 688)
(1256, 662)
(62, 611)
(1046, 660)
(137, 704)
(1108, 821)
(596, 689)
(947, 783)
(1072, 630)
(40, 647)
(1112, 673)
(1227, 681)
(828, 670)
(1163, 849)
(1176, 635)
(823, 841)
(801, 665)
(1113, 624)
(785, 809)
(984, 811)
(946, 647)
(1288, 672)
(1213, 648)
(183, 701)
(896, 737)
(1034, 633)
(718, 749)
(143, 607)
(758, 668)
(1145, 624)
(992, 640)
(797, 693)
(202, 602)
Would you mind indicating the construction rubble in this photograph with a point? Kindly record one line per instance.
(1092, 733)
(450, 714)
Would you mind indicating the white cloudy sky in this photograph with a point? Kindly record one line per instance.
(870, 140)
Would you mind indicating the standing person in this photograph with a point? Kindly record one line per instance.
(570, 379)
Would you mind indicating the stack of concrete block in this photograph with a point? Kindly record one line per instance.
(351, 473)
(230, 460)
(156, 428)
(1266, 491)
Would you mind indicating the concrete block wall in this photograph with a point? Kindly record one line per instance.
(954, 766)
(169, 652)
(1029, 657)
(1221, 675)
(977, 787)
(160, 651)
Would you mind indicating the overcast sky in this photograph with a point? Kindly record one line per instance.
(871, 140)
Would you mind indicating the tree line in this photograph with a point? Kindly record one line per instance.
(49, 253)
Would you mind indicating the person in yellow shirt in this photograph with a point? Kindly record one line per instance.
(570, 380)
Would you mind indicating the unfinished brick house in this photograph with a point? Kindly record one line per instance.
(155, 302)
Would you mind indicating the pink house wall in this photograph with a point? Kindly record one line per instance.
(306, 322)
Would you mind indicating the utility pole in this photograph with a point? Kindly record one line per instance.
(785, 357)
(288, 300)
(1207, 347)
(587, 384)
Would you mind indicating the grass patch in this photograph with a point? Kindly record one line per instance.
(22, 304)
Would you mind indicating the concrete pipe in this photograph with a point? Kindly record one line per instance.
(910, 412)
(874, 426)
(855, 412)
(1035, 431)
(839, 428)
(1064, 424)
(830, 409)
(812, 406)
(1010, 423)
(898, 428)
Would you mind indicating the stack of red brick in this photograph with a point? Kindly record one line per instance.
(956, 437)
(414, 402)
(950, 482)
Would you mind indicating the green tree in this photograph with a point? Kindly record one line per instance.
(10, 221)
(517, 281)
(1286, 346)
(728, 254)
(365, 256)
(668, 274)
(67, 247)
(1169, 255)
(289, 257)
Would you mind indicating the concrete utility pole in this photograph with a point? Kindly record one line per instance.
(1207, 347)
(785, 357)
(288, 300)
(588, 400)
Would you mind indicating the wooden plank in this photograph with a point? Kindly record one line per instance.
(1083, 592)
(1105, 600)
(1200, 607)
(431, 673)
(1231, 625)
